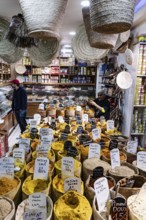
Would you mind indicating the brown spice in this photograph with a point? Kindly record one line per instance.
(6, 185)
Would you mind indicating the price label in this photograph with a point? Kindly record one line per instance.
(115, 158)
(113, 144)
(19, 154)
(73, 183)
(24, 143)
(37, 117)
(33, 123)
(87, 143)
(119, 209)
(37, 201)
(46, 141)
(67, 167)
(102, 192)
(60, 119)
(132, 147)
(63, 136)
(47, 132)
(85, 118)
(80, 130)
(7, 167)
(41, 168)
(34, 215)
(96, 133)
(141, 160)
(110, 125)
(78, 108)
(42, 150)
(94, 150)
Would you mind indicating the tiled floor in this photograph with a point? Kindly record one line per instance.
(14, 137)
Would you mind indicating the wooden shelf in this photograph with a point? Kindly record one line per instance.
(59, 84)
(137, 134)
(140, 106)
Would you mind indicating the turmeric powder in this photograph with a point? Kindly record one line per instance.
(6, 185)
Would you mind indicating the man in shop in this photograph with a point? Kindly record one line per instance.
(102, 105)
(19, 104)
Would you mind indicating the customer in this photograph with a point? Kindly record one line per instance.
(19, 104)
(102, 105)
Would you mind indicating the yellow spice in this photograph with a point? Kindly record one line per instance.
(6, 185)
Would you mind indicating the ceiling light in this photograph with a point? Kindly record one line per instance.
(85, 3)
(72, 33)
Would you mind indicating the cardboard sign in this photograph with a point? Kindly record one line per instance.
(73, 183)
(33, 123)
(110, 125)
(115, 158)
(119, 209)
(67, 167)
(34, 215)
(96, 133)
(41, 168)
(102, 192)
(24, 143)
(98, 172)
(85, 118)
(72, 152)
(7, 167)
(113, 144)
(141, 160)
(60, 119)
(37, 201)
(132, 147)
(94, 150)
(63, 136)
(19, 155)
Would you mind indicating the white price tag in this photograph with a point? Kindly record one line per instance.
(73, 183)
(7, 167)
(78, 108)
(34, 215)
(41, 106)
(132, 147)
(37, 117)
(94, 150)
(110, 125)
(44, 131)
(141, 160)
(96, 133)
(60, 119)
(102, 192)
(24, 143)
(85, 118)
(67, 167)
(37, 201)
(33, 123)
(46, 141)
(41, 168)
(115, 158)
(19, 154)
(42, 150)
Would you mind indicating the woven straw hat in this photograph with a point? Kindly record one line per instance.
(43, 18)
(82, 49)
(111, 17)
(97, 40)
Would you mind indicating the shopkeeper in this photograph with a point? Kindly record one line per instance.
(102, 105)
(19, 104)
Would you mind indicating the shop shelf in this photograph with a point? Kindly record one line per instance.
(137, 134)
(140, 106)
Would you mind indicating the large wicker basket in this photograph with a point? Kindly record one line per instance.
(111, 17)
(43, 18)
(82, 49)
(97, 40)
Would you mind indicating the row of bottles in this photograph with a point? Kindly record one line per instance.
(140, 94)
(139, 124)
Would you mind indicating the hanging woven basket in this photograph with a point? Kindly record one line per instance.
(82, 49)
(43, 18)
(45, 51)
(111, 16)
(39, 63)
(97, 40)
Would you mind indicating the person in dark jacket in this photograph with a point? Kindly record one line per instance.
(19, 104)
(102, 105)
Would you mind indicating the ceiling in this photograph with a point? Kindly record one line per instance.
(72, 18)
